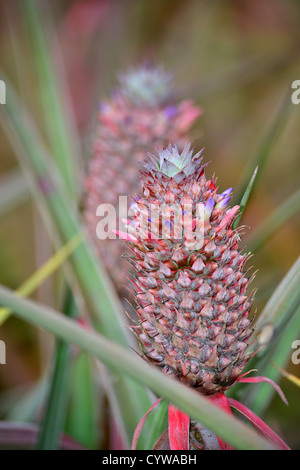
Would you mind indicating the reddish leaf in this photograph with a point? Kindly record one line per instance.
(179, 429)
(258, 423)
(140, 426)
(266, 380)
(247, 373)
(221, 401)
(227, 218)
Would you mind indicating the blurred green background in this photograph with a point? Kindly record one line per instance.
(236, 58)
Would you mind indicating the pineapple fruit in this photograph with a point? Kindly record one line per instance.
(191, 294)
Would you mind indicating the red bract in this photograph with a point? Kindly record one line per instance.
(220, 400)
(179, 429)
(266, 380)
(258, 423)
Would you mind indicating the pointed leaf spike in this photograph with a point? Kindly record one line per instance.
(266, 380)
(245, 198)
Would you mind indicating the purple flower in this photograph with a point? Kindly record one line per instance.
(209, 208)
(227, 192)
(223, 203)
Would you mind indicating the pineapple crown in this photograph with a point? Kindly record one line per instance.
(146, 85)
(174, 164)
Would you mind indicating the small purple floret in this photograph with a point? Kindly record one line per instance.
(170, 111)
(227, 192)
(210, 205)
(209, 208)
(224, 202)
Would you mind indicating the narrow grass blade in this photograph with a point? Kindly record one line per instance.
(275, 220)
(159, 424)
(291, 377)
(55, 412)
(82, 419)
(54, 418)
(123, 361)
(37, 278)
(244, 199)
(266, 148)
(61, 133)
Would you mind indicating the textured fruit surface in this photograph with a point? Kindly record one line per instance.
(142, 115)
(191, 291)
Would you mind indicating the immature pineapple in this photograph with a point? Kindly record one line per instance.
(189, 278)
(142, 115)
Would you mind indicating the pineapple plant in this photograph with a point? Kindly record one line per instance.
(190, 283)
(192, 302)
(143, 113)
